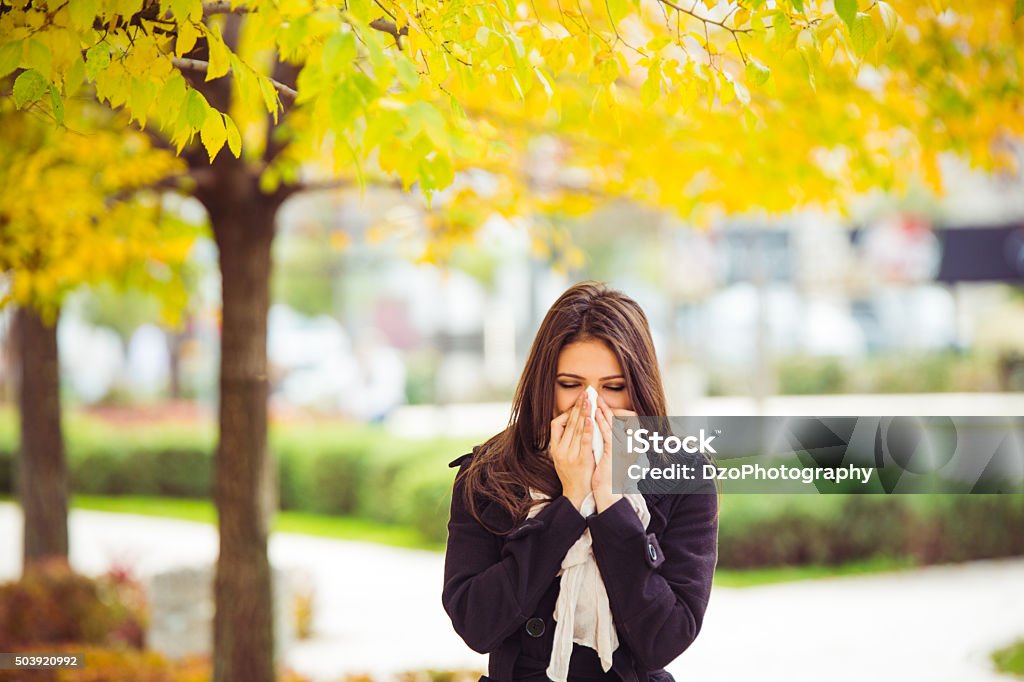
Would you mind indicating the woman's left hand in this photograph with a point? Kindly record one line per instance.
(601, 482)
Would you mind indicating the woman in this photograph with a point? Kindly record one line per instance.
(503, 559)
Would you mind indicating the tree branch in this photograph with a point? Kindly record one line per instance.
(389, 27)
(173, 183)
(343, 183)
(706, 20)
(222, 7)
(199, 66)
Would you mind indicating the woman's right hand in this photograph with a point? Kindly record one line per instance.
(571, 450)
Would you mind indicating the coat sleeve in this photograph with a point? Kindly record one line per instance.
(491, 589)
(658, 590)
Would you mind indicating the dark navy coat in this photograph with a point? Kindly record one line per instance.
(500, 592)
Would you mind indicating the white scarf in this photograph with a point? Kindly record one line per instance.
(582, 613)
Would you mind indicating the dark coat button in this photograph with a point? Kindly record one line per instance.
(653, 552)
(535, 627)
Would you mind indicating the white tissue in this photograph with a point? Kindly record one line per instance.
(597, 439)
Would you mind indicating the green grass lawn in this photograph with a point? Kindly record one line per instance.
(338, 527)
(765, 576)
(349, 528)
(1010, 659)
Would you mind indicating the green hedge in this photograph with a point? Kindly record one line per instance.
(362, 471)
(894, 372)
(339, 469)
(789, 530)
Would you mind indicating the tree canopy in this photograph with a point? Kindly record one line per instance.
(81, 206)
(697, 106)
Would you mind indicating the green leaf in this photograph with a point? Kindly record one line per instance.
(609, 70)
(140, 98)
(10, 57)
(125, 8)
(29, 87)
(345, 101)
(39, 56)
(269, 95)
(213, 133)
(525, 76)
(234, 138)
(407, 73)
(180, 9)
(757, 73)
(245, 81)
(658, 43)
(617, 9)
(195, 108)
(74, 76)
(339, 52)
(435, 172)
(847, 11)
(366, 87)
(360, 9)
(57, 103)
(380, 59)
(798, 5)
(190, 10)
(863, 34)
(97, 59)
(889, 18)
(459, 114)
(83, 12)
(1018, 10)
(781, 26)
(650, 90)
(423, 116)
(518, 49)
(825, 28)
(172, 96)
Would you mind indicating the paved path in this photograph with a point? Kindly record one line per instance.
(379, 609)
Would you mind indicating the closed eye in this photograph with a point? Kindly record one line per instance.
(610, 388)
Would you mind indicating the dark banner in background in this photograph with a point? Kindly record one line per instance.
(982, 254)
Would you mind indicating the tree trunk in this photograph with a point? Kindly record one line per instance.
(242, 218)
(243, 225)
(42, 480)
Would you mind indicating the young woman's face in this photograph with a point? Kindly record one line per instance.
(592, 363)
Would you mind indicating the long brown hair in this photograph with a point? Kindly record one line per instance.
(508, 464)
